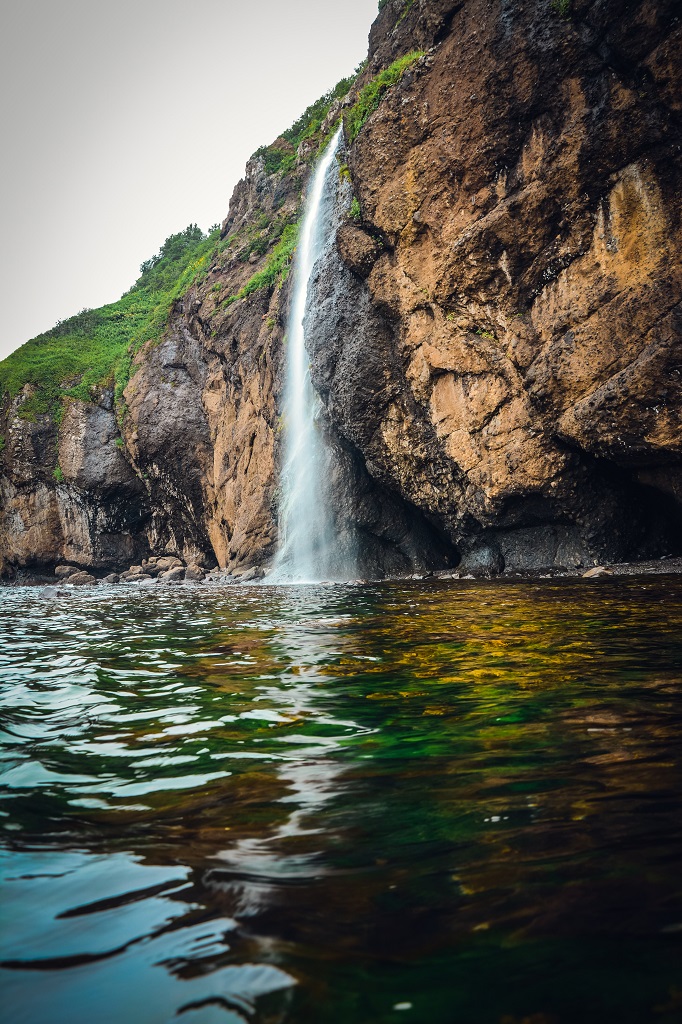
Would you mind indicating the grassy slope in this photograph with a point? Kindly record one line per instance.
(96, 346)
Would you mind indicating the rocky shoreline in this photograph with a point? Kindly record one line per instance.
(169, 570)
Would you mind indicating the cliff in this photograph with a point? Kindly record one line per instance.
(495, 331)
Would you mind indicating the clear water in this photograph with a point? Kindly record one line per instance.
(308, 547)
(419, 802)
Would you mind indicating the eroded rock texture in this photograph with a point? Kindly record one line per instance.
(496, 341)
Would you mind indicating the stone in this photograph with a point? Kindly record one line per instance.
(596, 571)
(174, 575)
(111, 578)
(80, 579)
(248, 575)
(168, 562)
(62, 571)
(195, 573)
(483, 560)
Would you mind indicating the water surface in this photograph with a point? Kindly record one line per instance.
(420, 802)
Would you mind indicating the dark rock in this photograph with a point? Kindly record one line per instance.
(62, 571)
(358, 249)
(482, 560)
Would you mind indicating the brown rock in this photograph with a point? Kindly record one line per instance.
(62, 571)
(111, 578)
(168, 562)
(195, 573)
(79, 579)
(358, 249)
(175, 575)
(596, 571)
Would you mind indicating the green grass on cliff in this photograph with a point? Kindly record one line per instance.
(373, 92)
(277, 265)
(96, 346)
(282, 157)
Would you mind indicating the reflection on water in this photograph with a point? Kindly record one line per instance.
(419, 802)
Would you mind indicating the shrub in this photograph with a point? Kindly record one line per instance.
(371, 94)
(58, 475)
(355, 211)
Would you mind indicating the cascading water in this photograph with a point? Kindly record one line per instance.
(308, 549)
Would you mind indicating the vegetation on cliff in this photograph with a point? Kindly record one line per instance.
(96, 346)
(281, 155)
(371, 94)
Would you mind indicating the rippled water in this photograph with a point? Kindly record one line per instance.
(419, 802)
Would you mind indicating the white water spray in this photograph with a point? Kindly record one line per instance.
(308, 546)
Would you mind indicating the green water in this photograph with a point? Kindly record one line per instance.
(420, 802)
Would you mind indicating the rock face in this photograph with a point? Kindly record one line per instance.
(496, 339)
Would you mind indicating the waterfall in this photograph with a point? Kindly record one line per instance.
(308, 546)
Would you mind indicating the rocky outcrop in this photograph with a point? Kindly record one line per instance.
(69, 494)
(524, 308)
(495, 332)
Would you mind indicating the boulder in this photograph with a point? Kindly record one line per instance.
(80, 579)
(168, 562)
(195, 573)
(254, 573)
(596, 571)
(111, 578)
(174, 575)
(62, 571)
(483, 559)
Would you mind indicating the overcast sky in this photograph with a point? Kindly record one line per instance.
(122, 122)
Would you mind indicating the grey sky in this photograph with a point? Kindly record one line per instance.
(124, 121)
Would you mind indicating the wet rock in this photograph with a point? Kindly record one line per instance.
(168, 562)
(111, 578)
(132, 573)
(174, 575)
(80, 579)
(248, 575)
(152, 568)
(62, 571)
(596, 572)
(358, 249)
(482, 560)
(195, 573)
